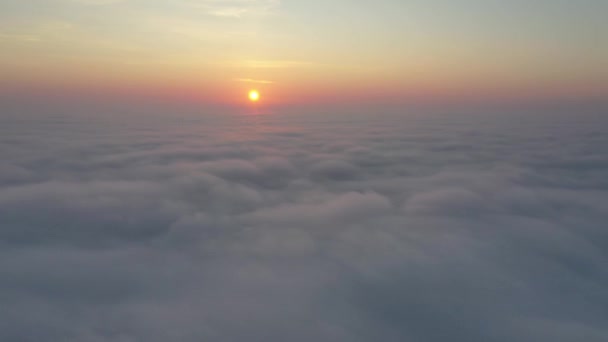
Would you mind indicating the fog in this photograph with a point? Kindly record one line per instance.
(122, 224)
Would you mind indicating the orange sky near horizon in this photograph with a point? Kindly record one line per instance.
(214, 51)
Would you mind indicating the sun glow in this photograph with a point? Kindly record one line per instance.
(254, 95)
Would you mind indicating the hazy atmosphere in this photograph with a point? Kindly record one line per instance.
(267, 170)
(308, 51)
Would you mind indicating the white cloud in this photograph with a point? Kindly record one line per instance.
(250, 80)
(156, 225)
(97, 2)
(235, 8)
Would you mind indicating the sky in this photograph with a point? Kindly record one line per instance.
(297, 52)
(415, 171)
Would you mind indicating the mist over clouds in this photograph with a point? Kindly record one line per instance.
(118, 226)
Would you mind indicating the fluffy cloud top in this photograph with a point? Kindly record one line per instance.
(463, 227)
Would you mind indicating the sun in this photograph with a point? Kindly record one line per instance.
(254, 95)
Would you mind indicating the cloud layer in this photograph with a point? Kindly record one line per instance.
(316, 227)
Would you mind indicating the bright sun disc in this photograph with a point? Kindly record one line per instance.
(254, 95)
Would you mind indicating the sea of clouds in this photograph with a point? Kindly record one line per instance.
(421, 227)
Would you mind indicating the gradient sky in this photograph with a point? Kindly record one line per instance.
(314, 50)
